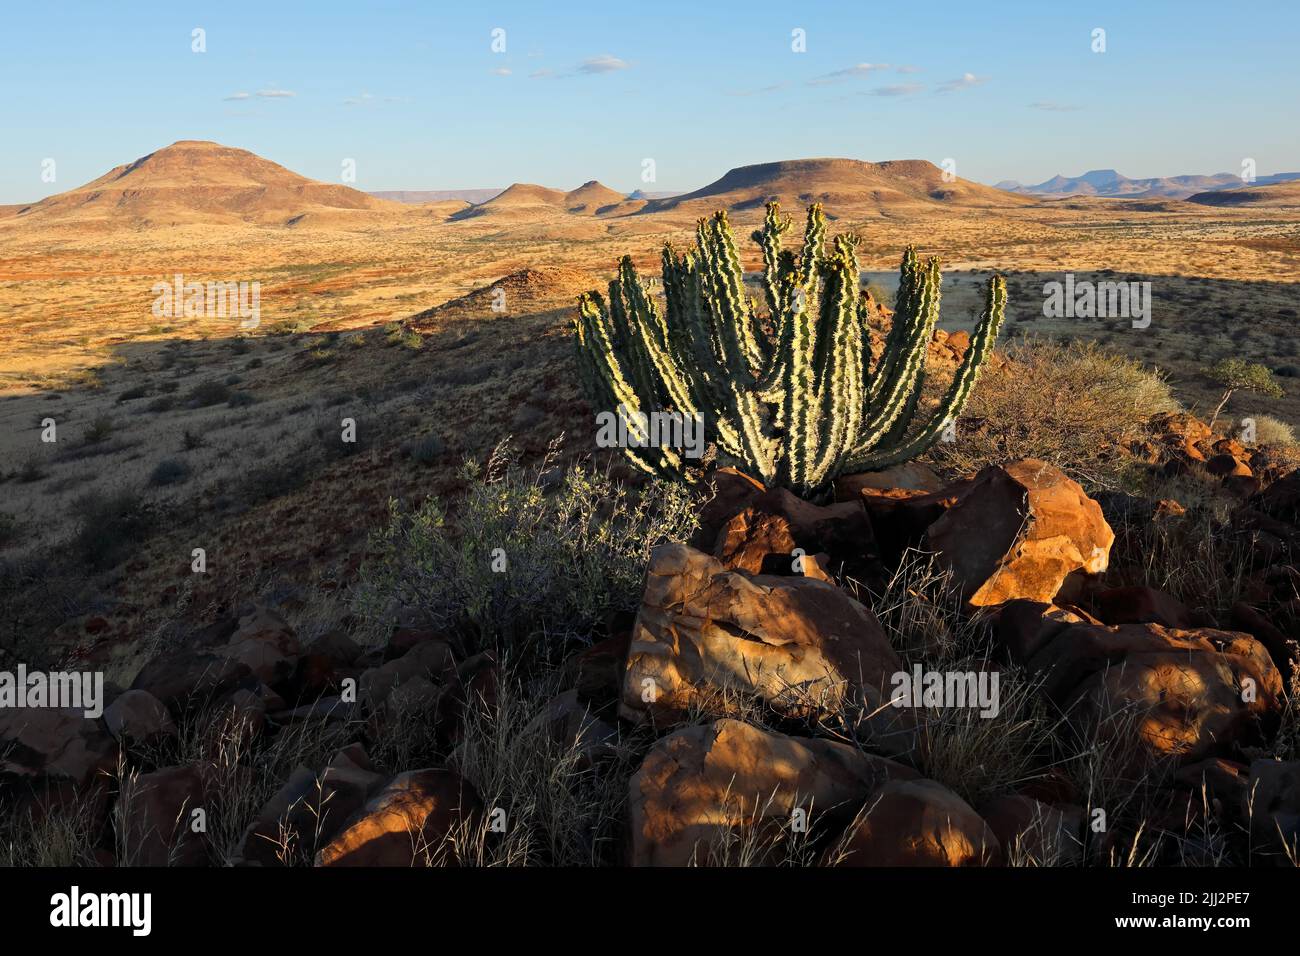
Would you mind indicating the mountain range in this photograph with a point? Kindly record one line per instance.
(1112, 184)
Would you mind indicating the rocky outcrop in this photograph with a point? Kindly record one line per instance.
(703, 785)
(798, 644)
(917, 823)
(1020, 531)
(406, 823)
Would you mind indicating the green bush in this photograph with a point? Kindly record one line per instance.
(545, 556)
(1237, 373)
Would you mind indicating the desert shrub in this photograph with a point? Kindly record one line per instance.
(208, 393)
(1237, 373)
(428, 449)
(1272, 431)
(163, 403)
(98, 430)
(880, 294)
(8, 528)
(241, 399)
(545, 555)
(138, 391)
(1067, 403)
(169, 471)
(564, 810)
(32, 469)
(192, 440)
(108, 523)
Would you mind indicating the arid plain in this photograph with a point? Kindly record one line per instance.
(389, 314)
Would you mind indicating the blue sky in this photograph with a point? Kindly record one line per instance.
(413, 92)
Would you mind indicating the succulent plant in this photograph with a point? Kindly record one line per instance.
(795, 400)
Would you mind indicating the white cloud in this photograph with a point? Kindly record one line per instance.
(605, 63)
(858, 69)
(964, 82)
(501, 71)
(541, 74)
(275, 94)
(898, 89)
(238, 96)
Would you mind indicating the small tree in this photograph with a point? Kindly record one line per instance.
(1236, 373)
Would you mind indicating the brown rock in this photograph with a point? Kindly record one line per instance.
(755, 542)
(49, 745)
(1033, 833)
(918, 823)
(159, 824)
(701, 783)
(1225, 464)
(138, 717)
(185, 678)
(265, 644)
(796, 643)
(1025, 627)
(432, 660)
(734, 491)
(1173, 693)
(1138, 604)
(1019, 532)
(910, 476)
(405, 823)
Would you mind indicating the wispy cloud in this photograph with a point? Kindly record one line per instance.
(275, 94)
(541, 74)
(907, 68)
(898, 89)
(501, 71)
(605, 63)
(358, 100)
(1053, 107)
(858, 69)
(760, 91)
(238, 96)
(965, 82)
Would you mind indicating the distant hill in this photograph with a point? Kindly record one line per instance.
(1108, 183)
(843, 185)
(1285, 193)
(199, 182)
(528, 202)
(417, 196)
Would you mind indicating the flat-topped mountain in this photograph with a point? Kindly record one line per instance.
(841, 184)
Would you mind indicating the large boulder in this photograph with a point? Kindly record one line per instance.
(265, 644)
(46, 745)
(798, 644)
(1185, 694)
(703, 785)
(1033, 833)
(1020, 531)
(138, 717)
(406, 822)
(917, 823)
(159, 824)
(309, 809)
